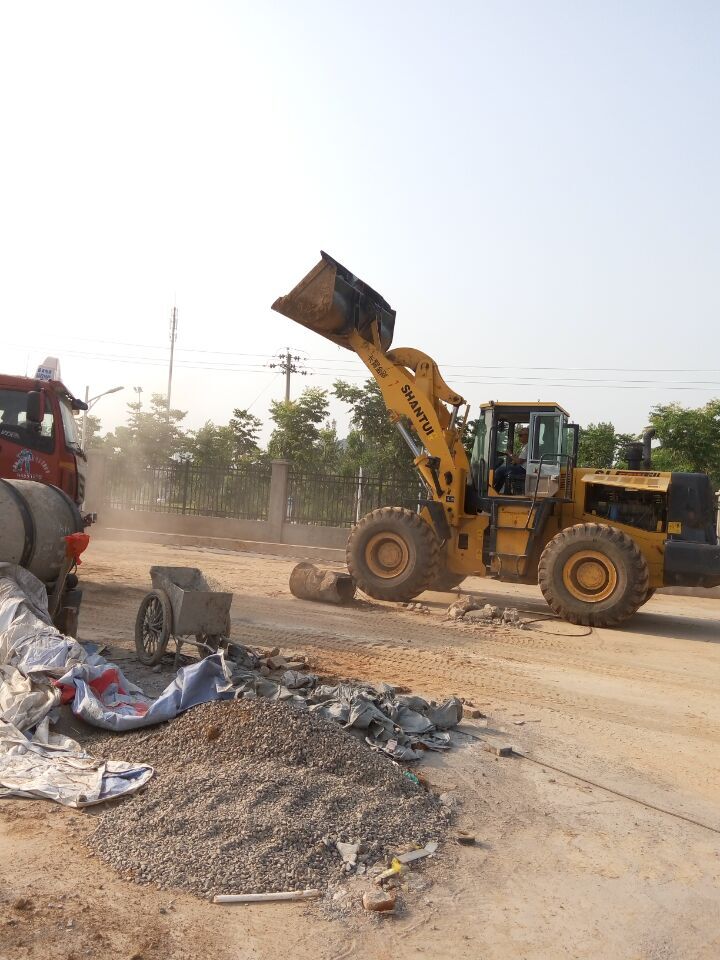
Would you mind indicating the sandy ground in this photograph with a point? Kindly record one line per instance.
(574, 861)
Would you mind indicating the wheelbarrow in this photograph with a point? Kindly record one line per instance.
(181, 606)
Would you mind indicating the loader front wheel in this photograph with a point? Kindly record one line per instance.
(594, 575)
(393, 554)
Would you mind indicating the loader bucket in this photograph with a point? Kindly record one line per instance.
(333, 302)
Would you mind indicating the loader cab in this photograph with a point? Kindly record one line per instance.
(551, 450)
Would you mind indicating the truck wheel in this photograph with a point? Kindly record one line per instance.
(392, 554)
(593, 574)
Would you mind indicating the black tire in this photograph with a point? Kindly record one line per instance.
(594, 575)
(649, 595)
(153, 626)
(393, 554)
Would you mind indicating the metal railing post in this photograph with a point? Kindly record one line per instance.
(186, 480)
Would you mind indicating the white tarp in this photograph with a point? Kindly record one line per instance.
(41, 668)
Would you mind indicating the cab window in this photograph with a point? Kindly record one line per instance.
(547, 441)
(15, 428)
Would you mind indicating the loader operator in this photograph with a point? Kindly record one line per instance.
(514, 465)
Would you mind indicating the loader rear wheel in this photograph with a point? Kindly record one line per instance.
(594, 575)
(393, 554)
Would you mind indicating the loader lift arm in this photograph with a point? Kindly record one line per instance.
(334, 303)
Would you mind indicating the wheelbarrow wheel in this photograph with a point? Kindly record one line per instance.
(153, 627)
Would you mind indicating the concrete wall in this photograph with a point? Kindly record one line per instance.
(274, 530)
(298, 534)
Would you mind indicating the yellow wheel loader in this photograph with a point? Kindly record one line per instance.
(598, 542)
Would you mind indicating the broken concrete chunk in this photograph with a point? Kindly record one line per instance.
(378, 901)
(348, 851)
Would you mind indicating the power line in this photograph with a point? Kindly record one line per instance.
(473, 379)
(332, 360)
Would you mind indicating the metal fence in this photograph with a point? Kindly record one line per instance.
(339, 501)
(243, 493)
(185, 488)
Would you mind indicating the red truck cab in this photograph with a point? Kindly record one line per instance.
(39, 438)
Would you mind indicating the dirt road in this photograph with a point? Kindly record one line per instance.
(567, 868)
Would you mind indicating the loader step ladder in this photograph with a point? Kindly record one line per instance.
(510, 565)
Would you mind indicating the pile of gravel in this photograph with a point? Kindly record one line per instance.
(252, 796)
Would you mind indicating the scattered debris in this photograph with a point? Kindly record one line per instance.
(469, 611)
(465, 838)
(349, 852)
(486, 613)
(427, 851)
(399, 725)
(458, 608)
(308, 582)
(393, 870)
(499, 751)
(267, 897)
(417, 607)
(265, 805)
(379, 901)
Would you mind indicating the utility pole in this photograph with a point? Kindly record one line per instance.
(173, 338)
(287, 362)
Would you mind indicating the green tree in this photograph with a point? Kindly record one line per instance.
(245, 429)
(373, 442)
(151, 437)
(598, 445)
(689, 438)
(210, 446)
(298, 433)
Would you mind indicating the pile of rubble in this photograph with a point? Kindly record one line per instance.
(254, 796)
(469, 611)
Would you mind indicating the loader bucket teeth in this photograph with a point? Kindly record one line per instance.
(333, 302)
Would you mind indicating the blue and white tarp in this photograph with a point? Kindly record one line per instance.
(40, 669)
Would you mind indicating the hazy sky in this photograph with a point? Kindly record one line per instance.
(533, 186)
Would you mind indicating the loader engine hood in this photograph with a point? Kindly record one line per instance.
(333, 302)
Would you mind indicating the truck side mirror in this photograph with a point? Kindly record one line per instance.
(35, 409)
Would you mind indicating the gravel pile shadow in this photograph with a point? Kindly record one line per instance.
(252, 796)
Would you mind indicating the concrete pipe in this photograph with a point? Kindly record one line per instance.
(34, 519)
(307, 582)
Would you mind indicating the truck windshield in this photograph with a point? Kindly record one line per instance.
(14, 426)
(69, 424)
